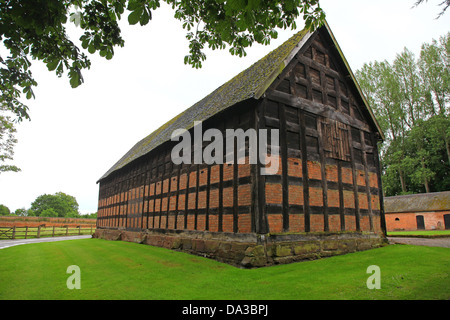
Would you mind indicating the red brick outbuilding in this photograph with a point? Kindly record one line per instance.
(427, 211)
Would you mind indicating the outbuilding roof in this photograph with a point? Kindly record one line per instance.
(434, 201)
(250, 83)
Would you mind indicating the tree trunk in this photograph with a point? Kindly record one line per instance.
(425, 180)
(402, 180)
(448, 151)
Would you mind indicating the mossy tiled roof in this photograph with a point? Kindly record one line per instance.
(435, 201)
(250, 83)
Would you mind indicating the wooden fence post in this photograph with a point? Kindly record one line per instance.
(38, 232)
(14, 232)
(67, 230)
(26, 231)
(53, 233)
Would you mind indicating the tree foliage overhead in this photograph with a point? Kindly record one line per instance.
(37, 30)
(411, 101)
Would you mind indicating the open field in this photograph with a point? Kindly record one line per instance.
(122, 270)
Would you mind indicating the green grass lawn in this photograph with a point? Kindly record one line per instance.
(427, 233)
(122, 270)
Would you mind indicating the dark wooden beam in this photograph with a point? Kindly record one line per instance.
(317, 108)
(355, 183)
(306, 208)
(262, 224)
(366, 176)
(284, 168)
(323, 174)
(341, 195)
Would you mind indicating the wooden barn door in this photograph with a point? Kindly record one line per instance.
(447, 221)
(420, 223)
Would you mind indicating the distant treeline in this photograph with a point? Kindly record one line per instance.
(50, 205)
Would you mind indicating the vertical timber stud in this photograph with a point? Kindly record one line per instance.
(220, 227)
(340, 109)
(177, 195)
(197, 183)
(235, 178)
(355, 182)
(284, 167)
(254, 168)
(220, 218)
(143, 189)
(341, 195)
(208, 191)
(262, 225)
(366, 175)
(127, 197)
(323, 170)
(320, 123)
(169, 178)
(163, 173)
(156, 178)
(186, 198)
(304, 156)
(149, 181)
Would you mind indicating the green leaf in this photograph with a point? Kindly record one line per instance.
(74, 79)
(91, 48)
(145, 18)
(135, 16)
(236, 4)
(133, 5)
(52, 65)
(85, 43)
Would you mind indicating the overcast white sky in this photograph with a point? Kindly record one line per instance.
(76, 135)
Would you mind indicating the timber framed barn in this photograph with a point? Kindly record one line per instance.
(325, 198)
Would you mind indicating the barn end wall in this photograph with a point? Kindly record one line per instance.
(251, 250)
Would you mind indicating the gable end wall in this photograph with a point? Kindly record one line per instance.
(329, 174)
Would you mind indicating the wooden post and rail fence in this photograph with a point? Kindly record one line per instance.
(27, 232)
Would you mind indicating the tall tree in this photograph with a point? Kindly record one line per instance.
(410, 99)
(406, 70)
(7, 141)
(4, 210)
(63, 204)
(434, 66)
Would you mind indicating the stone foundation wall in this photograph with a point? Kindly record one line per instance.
(252, 250)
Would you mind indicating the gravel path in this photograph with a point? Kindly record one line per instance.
(10, 243)
(431, 242)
